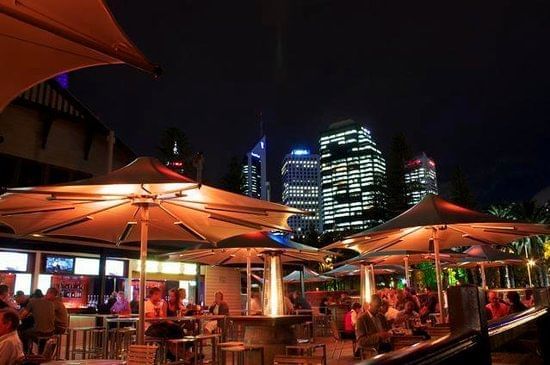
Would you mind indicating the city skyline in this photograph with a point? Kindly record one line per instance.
(420, 72)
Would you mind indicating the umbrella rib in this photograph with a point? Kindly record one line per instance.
(244, 207)
(56, 194)
(33, 211)
(470, 236)
(183, 225)
(82, 218)
(232, 220)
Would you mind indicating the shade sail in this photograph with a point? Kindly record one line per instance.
(397, 257)
(165, 205)
(235, 250)
(40, 39)
(310, 276)
(351, 270)
(106, 209)
(456, 226)
(489, 257)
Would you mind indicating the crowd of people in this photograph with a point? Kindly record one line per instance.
(24, 319)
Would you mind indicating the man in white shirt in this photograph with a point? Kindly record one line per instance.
(155, 307)
(11, 348)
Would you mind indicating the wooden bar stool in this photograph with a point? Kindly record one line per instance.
(308, 349)
(238, 353)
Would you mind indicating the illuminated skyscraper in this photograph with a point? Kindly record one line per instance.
(254, 172)
(421, 178)
(352, 174)
(301, 177)
(176, 160)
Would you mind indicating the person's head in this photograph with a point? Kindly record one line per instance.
(493, 298)
(9, 321)
(375, 302)
(4, 290)
(38, 294)
(155, 294)
(513, 297)
(182, 293)
(20, 297)
(409, 306)
(173, 295)
(218, 297)
(52, 294)
(120, 297)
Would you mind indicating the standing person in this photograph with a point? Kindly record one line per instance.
(11, 348)
(183, 297)
(61, 321)
(371, 331)
(134, 304)
(121, 306)
(43, 313)
(496, 306)
(350, 320)
(21, 299)
(219, 307)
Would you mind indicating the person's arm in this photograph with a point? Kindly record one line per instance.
(25, 311)
(149, 309)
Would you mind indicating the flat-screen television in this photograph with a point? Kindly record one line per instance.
(13, 261)
(84, 266)
(114, 268)
(59, 265)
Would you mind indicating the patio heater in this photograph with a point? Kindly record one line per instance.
(273, 304)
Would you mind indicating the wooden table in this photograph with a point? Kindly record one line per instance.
(398, 342)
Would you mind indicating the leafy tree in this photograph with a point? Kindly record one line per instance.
(233, 179)
(396, 188)
(460, 190)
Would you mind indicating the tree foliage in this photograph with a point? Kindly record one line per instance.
(233, 180)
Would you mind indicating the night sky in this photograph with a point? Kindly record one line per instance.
(467, 82)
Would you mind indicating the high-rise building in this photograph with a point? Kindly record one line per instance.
(421, 178)
(175, 161)
(301, 176)
(352, 175)
(254, 172)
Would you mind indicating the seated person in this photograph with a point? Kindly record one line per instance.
(406, 315)
(515, 303)
(289, 306)
(61, 321)
(11, 348)
(372, 328)
(219, 307)
(43, 312)
(388, 311)
(121, 305)
(174, 306)
(497, 308)
(529, 300)
(350, 321)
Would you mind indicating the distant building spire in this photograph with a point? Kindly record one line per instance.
(261, 122)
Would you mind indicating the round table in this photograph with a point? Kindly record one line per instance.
(86, 362)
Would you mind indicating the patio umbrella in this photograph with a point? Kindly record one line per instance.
(250, 248)
(434, 224)
(486, 256)
(353, 270)
(41, 39)
(170, 210)
(309, 276)
(405, 257)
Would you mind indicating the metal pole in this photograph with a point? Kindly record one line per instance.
(302, 281)
(110, 150)
(372, 280)
(142, 277)
(483, 277)
(528, 267)
(438, 274)
(407, 275)
(102, 262)
(248, 282)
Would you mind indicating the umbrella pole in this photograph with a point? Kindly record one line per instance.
(407, 276)
(438, 275)
(373, 279)
(248, 283)
(483, 277)
(528, 267)
(142, 277)
(302, 281)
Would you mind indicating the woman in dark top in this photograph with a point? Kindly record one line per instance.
(174, 303)
(515, 303)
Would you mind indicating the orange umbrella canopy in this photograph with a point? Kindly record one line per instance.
(107, 209)
(455, 226)
(489, 257)
(40, 39)
(397, 257)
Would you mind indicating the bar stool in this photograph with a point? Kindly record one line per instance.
(93, 342)
(221, 345)
(161, 344)
(176, 342)
(119, 341)
(238, 353)
(308, 349)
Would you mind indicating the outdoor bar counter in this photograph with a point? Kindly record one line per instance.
(272, 332)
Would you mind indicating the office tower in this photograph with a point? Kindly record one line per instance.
(352, 175)
(421, 178)
(254, 171)
(301, 177)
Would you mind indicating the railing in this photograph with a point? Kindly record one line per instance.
(473, 344)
